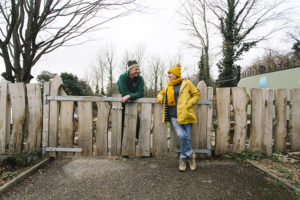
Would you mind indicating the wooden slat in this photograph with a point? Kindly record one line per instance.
(85, 128)
(17, 96)
(66, 130)
(4, 117)
(202, 117)
(53, 118)
(160, 133)
(240, 104)
(223, 121)
(268, 98)
(295, 119)
(145, 129)
(116, 127)
(102, 128)
(34, 99)
(280, 132)
(129, 132)
(257, 104)
(195, 132)
(46, 113)
(210, 93)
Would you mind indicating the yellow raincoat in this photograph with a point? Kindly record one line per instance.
(188, 96)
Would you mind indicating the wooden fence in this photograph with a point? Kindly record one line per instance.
(60, 121)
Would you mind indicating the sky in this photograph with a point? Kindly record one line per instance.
(159, 30)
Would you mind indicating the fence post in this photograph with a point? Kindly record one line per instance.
(53, 118)
(46, 106)
(280, 122)
(294, 119)
(4, 117)
(17, 96)
(223, 121)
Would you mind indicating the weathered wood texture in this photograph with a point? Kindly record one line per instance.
(34, 100)
(223, 121)
(240, 103)
(129, 132)
(4, 117)
(54, 114)
(160, 133)
(46, 113)
(210, 93)
(66, 128)
(102, 129)
(145, 130)
(85, 128)
(262, 120)
(295, 119)
(116, 127)
(280, 132)
(257, 104)
(17, 96)
(268, 98)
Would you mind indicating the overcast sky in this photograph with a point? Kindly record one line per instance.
(159, 30)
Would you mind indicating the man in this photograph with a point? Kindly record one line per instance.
(131, 86)
(131, 83)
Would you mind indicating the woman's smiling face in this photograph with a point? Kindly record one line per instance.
(171, 76)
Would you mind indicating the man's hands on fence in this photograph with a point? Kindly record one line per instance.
(125, 98)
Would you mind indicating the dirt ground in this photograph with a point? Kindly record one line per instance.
(147, 178)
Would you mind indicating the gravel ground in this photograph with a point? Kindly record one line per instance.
(146, 178)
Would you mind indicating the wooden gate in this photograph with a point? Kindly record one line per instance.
(94, 125)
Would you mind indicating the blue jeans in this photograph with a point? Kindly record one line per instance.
(184, 135)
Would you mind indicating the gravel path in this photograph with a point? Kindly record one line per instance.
(146, 178)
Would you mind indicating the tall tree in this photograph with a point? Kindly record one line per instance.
(201, 67)
(45, 76)
(30, 29)
(238, 20)
(196, 22)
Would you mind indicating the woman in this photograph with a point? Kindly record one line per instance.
(178, 98)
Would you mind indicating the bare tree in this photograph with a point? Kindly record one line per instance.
(196, 23)
(99, 72)
(30, 29)
(110, 65)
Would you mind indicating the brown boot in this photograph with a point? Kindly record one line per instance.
(182, 165)
(192, 162)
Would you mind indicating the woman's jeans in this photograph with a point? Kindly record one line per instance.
(184, 134)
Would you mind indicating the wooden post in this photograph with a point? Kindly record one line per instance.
(34, 99)
(145, 128)
(102, 128)
(160, 133)
(268, 98)
(54, 111)
(256, 137)
(210, 94)
(129, 132)
(295, 119)
(202, 116)
(66, 131)
(85, 128)
(223, 121)
(4, 117)
(280, 123)
(17, 96)
(46, 112)
(240, 104)
(116, 127)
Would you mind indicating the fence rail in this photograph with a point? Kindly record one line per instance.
(30, 120)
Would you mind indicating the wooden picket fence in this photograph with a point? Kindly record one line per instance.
(55, 120)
